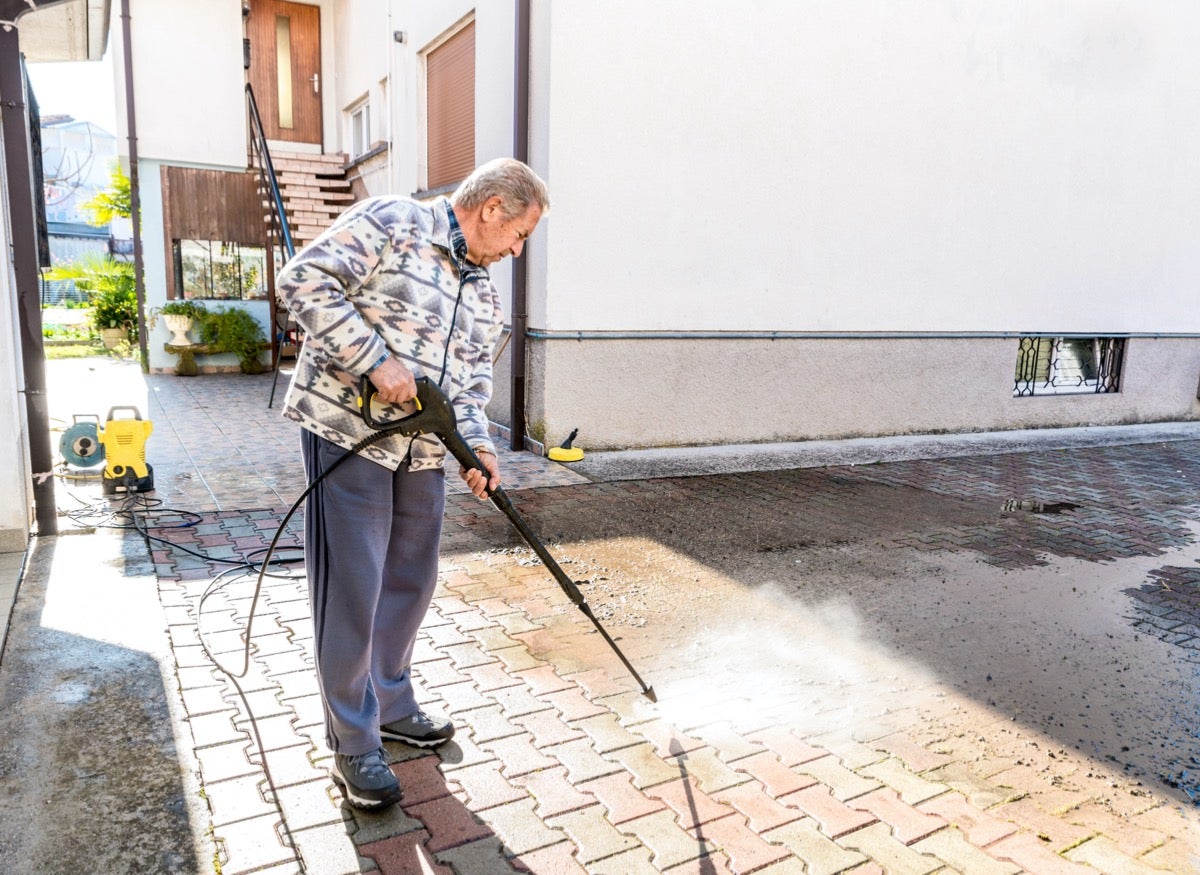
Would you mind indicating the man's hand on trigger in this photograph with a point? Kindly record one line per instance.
(474, 478)
(394, 381)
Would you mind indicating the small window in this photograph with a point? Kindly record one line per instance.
(1068, 365)
(360, 129)
(219, 270)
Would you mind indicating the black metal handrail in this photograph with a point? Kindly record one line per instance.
(258, 140)
(279, 222)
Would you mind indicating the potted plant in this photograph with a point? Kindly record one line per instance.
(235, 330)
(179, 316)
(114, 314)
(109, 285)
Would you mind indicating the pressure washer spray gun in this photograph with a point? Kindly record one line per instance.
(435, 415)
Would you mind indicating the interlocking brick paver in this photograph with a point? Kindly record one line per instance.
(980, 827)
(521, 828)
(647, 767)
(594, 836)
(729, 743)
(908, 825)
(517, 701)
(438, 672)
(518, 756)
(462, 656)
(230, 760)
(842, 782)
(252, 844)
(240, 798)
(307, 805)
(762, 811)
(746, 850)
(917, 757)
(708, 770)
(1032, 854)
(554, 793)
(463, 696)
(1102, 854)
(618, 795)
(822, 855)
(404, 854)
(778, 779)
(493, 638)
(548, 728)
(877, 843)
(981, 793)
(490, 722)
(598, 683)
(543, 679)
(835, 817)
(290, 765)
(573, 704)
(485, 787)
(668, 842)
(635, 862)
(448, 821)
(912, 788)
(951, 847)
(668, 740)
(692, 806)
(582, 761)
(1057, 833)
(421, 779)
(558, 859)
(517, 659)
(490, 676)
(607, 733)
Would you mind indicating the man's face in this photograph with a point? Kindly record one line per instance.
(498, 237)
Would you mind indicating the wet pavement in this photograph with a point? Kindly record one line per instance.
(974, 654)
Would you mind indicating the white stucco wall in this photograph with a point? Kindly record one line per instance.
(16, 503)
(189, 85)
(818, 166)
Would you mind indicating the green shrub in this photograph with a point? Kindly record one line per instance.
(232, 329)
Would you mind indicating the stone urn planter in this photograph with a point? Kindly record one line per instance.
(112, 337)
(179, 326)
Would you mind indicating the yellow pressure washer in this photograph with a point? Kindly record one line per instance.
(124, 442)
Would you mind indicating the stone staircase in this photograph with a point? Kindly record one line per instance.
(315, 191)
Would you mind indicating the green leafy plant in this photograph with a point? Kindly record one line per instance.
(234, 330)
(109, 286)
(116, 201)
(194, 310)
(179, 307)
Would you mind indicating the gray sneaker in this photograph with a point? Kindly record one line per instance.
(419, 730)
(366, 780)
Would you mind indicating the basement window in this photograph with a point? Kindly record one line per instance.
(219, 270)
(1068, 365)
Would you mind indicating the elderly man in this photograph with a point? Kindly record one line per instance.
(395, 289)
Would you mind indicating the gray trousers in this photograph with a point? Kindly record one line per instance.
(370, 549)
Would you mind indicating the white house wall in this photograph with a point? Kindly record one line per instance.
(16, 508)
(815, 166)
(189, 84)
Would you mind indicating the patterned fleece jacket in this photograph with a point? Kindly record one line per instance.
(381, 280)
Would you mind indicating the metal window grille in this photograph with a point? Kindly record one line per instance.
(1068, 365)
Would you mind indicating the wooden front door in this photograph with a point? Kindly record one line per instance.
(285, 68)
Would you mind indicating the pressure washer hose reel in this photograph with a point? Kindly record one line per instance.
(124, 442)
(80, 444)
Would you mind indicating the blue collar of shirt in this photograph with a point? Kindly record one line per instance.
(467, 270)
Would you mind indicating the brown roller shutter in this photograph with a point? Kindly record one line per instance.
(450, 97)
